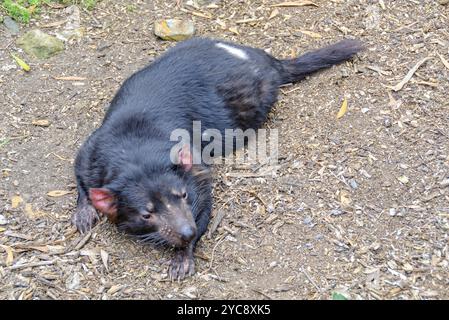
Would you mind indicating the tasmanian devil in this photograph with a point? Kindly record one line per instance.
(124, 169)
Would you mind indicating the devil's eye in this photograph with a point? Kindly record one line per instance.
(184, 195)
(146, 215)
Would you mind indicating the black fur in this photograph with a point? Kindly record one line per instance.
(195, 80)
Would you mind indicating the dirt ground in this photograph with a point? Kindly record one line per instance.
(358, 205)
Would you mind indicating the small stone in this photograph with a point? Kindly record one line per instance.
(392, 212)
(336, 212)
(444, 183)
(365, 110)
(11, 25)
(387, 122)
(353, 183)
(403, 179)
(40, 44)
(174, 29)
(190, 292)
(3, 220)
(67, 35)
(307, 220)
(318, 237)
(73, 282)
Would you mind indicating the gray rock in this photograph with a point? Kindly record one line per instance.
(11, 25)
(174, 29)
(39, 44)
(72, 28)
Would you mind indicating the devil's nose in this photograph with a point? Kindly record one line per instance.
(187, 233)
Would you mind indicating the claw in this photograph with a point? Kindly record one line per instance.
(85, 217)
(182, 265)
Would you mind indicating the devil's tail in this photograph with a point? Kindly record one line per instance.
(298, 68)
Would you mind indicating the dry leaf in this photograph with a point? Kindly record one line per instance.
(15, 201)
(114, 289)
(345, 199)
(273, 14)
(41, 123)
(295, 4)
(104, 258)
(343, 109)
(58, 193)
(234, 30)
(2, 229)
(21, 63)
(9, 255)
(310, 33)
(31, 213)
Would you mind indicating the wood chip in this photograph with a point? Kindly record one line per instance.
(83, 241)
(295, 4)
(58, 193)
(216, 222)
(104, 258)
(248, 20)
(273, 14)
(72, 78)
(311, 34)
(9, 255)
(32, 265)
(41, 123)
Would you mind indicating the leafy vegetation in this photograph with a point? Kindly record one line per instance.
(23, 10)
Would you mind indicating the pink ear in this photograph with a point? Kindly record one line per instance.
(103, 200)
(185, 158)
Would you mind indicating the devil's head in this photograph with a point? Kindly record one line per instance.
(152, 203)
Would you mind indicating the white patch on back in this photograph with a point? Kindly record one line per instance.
(236, 52)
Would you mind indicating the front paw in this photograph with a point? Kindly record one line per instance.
(182, 265)
(85, 217)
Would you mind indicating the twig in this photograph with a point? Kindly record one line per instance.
(311, 280)
(446, 64)
(409, 75)
(32, 265)
(259, 198)
(262, 293)
(249, 20)
(83, 241)
(213, 252)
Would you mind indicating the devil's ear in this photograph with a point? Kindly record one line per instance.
(104, 201)
(185, 158)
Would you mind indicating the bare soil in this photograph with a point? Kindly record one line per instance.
(357, 205)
